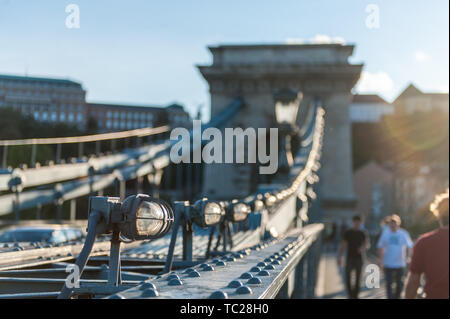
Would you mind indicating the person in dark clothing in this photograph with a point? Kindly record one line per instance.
(356, 242)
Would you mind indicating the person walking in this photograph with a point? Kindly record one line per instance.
(356, 242)
(394, 248)
(431, 256)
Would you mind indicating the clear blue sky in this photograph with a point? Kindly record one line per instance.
(145, 52)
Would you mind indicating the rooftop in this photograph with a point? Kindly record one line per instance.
(130, 107)
(368, 98)
(412, 90)
(38, 79)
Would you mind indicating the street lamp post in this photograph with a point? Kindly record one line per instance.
(287, 103)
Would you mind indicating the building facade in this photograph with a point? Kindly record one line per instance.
(64, 101)
(415, 186)
(369, 108)
(117, 117)
(374, 192)
(53, 100)
(414, 100)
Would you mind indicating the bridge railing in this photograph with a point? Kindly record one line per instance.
(112, 137)
(275, 256)
(88, 176)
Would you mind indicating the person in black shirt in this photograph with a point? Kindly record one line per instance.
(356, 241)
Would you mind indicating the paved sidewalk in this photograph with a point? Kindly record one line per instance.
(330, 284)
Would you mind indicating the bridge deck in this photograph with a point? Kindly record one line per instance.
(331, 285)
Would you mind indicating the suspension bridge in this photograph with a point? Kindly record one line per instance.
(264, 240)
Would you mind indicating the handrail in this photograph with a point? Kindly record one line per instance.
(146, 131)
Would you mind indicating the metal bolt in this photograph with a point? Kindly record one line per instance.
(175, 282)
(276, 262)
(269, 260)
(244, 290)
(261, 264)
(246, 275)
(263, 273)
(187, 271)
(230, 259)
(147, 285)
(116, 296)
(172, 276)
(149, 293)
(221, 263)
(194, 274)
(235, 284)
(269, 267)
(255, 269)
(254, 281)
(208, 268)
(218, 295)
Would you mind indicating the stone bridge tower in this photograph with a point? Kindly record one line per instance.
(254, 72)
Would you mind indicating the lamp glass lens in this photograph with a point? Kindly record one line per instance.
(149, 219)
(259, 205)
(271, 200)
(212, 213)
(240, 212)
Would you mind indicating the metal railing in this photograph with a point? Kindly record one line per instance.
(80, 140)
(276, 258)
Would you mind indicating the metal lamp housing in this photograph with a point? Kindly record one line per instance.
(206, 213)
(238, 211)
(145, 217)
(286, 105)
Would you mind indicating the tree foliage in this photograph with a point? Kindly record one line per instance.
(421, 137)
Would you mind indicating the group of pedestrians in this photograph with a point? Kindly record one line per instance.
(428, 258)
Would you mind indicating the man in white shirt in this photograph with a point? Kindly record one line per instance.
(394, 248)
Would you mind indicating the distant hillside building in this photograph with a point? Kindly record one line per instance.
(415, 186)
(64, 101)
(374, 186)
(53, 100)
(412, 100)
(369, 108)
(118, 117)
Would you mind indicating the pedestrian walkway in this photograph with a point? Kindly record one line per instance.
(330, 284)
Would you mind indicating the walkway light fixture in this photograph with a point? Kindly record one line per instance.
(287, 103)
(237, 211)
(145, 218)
(138, 217)
(270, 199)
(203, 213)
(206, 213)
(257, 204)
